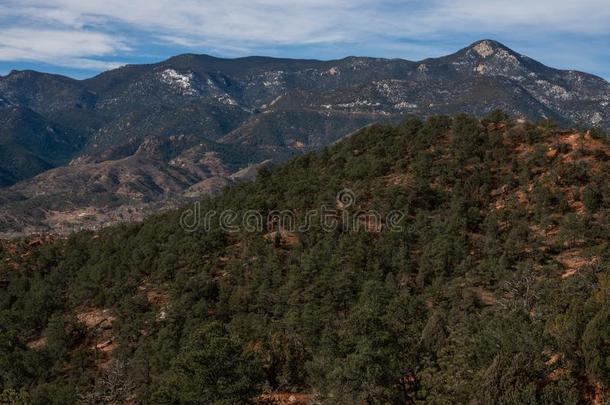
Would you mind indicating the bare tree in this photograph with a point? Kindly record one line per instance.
(114, 387)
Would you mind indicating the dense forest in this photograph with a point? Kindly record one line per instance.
(494, 289)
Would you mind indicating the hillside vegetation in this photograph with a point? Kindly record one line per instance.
(141, 139)
(496, 288)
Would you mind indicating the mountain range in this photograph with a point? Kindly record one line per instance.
(144, 138)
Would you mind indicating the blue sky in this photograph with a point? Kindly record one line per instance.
(80, 38)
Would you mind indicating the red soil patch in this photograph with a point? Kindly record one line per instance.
(284, 398)
(285, 238)
(595, 394)
(100, 338)
(573, 261)
(398, 179)
(155, 298)
(551, 153)
(486, 297)
(96, 318)
(37, 343)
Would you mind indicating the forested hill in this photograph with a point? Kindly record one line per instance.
(494, 287)
(142, 139)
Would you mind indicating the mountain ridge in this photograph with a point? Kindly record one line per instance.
(189, 55)
(274, 108)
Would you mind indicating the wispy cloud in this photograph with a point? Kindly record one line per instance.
(68, 30)
(71, 48)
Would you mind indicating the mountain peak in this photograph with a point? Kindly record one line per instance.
(482, 53)
(489, 58)
(488, 47)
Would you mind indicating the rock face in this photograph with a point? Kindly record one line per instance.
(143, 137)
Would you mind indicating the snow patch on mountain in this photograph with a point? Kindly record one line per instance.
(359, 103)
(597, 118)
(183, 83)
(404, 105)
(271, 80)
(226, 99)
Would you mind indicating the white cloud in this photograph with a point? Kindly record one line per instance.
(266, 21)
(521, 17)
(71, 48)
(69, 29)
